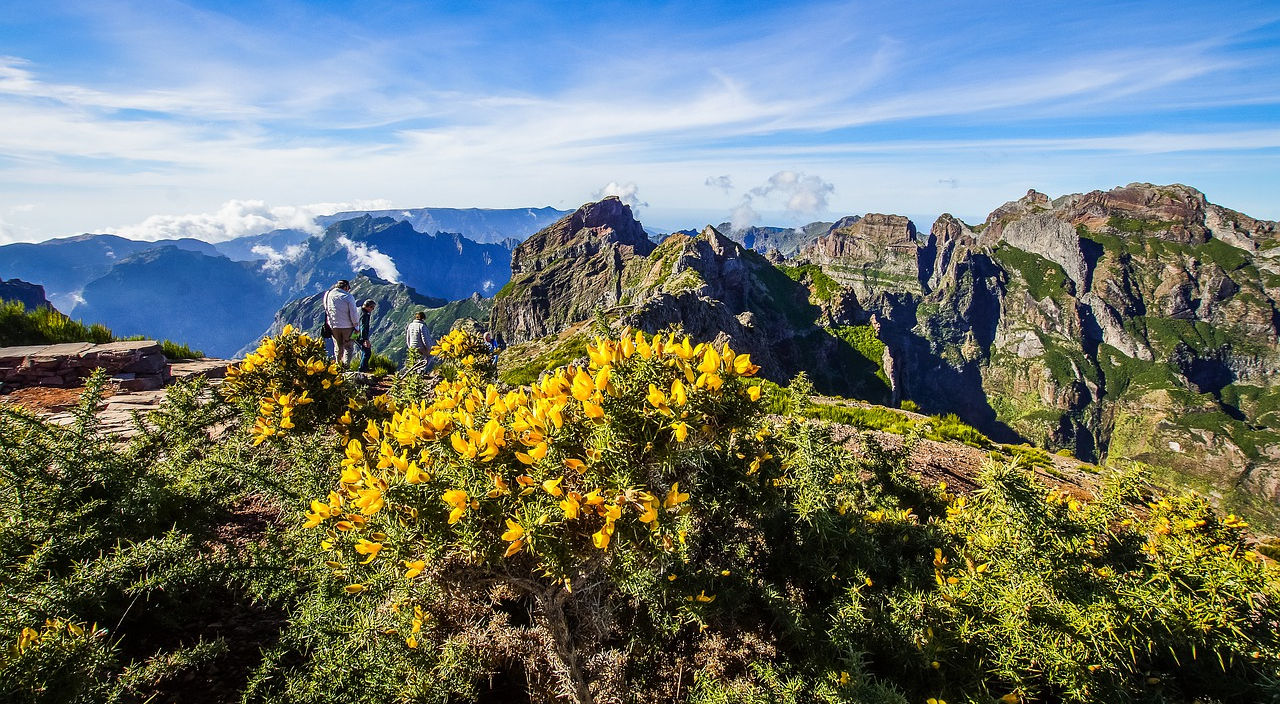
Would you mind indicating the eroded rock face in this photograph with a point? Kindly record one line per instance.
(1175, 213)
(1125, 320)
(952, 242)
(868, 254)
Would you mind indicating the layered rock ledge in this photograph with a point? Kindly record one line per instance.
(135, 365)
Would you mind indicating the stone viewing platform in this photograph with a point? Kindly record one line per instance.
(135, 365)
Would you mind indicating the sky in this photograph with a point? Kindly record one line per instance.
(158, 118)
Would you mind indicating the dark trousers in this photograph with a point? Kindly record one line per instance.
(365, 353)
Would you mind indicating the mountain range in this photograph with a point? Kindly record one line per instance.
(483, 225)
(219, 296)
(1136, 324)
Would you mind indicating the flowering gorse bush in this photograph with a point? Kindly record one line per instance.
(287, 385)
(465, 357)
(548, 476)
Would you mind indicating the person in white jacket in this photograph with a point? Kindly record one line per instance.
(418, 337)
(342, 315)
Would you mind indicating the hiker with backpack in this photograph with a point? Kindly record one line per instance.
(342, 317)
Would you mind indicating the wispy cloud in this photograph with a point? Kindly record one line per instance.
(206, 105)
(275, 260)
(238, 218)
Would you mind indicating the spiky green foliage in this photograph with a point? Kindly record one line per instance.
(797, 571)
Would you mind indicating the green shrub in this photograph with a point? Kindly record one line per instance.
(108, 550)
(175, 350)
(44, 326)
(633, 526)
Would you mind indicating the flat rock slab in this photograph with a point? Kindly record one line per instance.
(127, 347)
(192, 368)
(65, 349)
(17, 354)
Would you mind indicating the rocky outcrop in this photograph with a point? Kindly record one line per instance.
(950, 243)
(135, 365)
(31, 296)
(1049, 237)
(566, 272)
(1117, 323)
(874, 252)
(1175, 213)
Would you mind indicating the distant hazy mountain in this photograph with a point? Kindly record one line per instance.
(483, 225)
(219, 305)
(444, 265)
(786, 240)
(206, 301)
(63, 266)
(241, 249)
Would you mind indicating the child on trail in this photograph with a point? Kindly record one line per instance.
(366, 345)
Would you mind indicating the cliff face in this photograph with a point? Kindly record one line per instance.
(1138, 323)
(873, 254)
(29, 295)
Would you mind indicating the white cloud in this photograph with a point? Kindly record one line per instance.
(626, 192)
(743, 216)
(237, 218)
(12, 232)
(800, 194)
(275, 260)
(362, 256)
(804, 194)
(724, 183)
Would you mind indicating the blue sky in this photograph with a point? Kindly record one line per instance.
(156, 118)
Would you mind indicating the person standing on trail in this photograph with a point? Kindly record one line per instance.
(340, 312)
(366, 345)
(417, 337)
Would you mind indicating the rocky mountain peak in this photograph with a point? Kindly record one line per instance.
(29, 295)
(565, 272)
(1174, 212)
(602, 224)
(864, 254)
(950, 241)
(722, 246)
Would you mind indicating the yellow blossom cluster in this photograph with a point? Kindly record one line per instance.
(29, 637)
(281, 378)
(559, 468)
